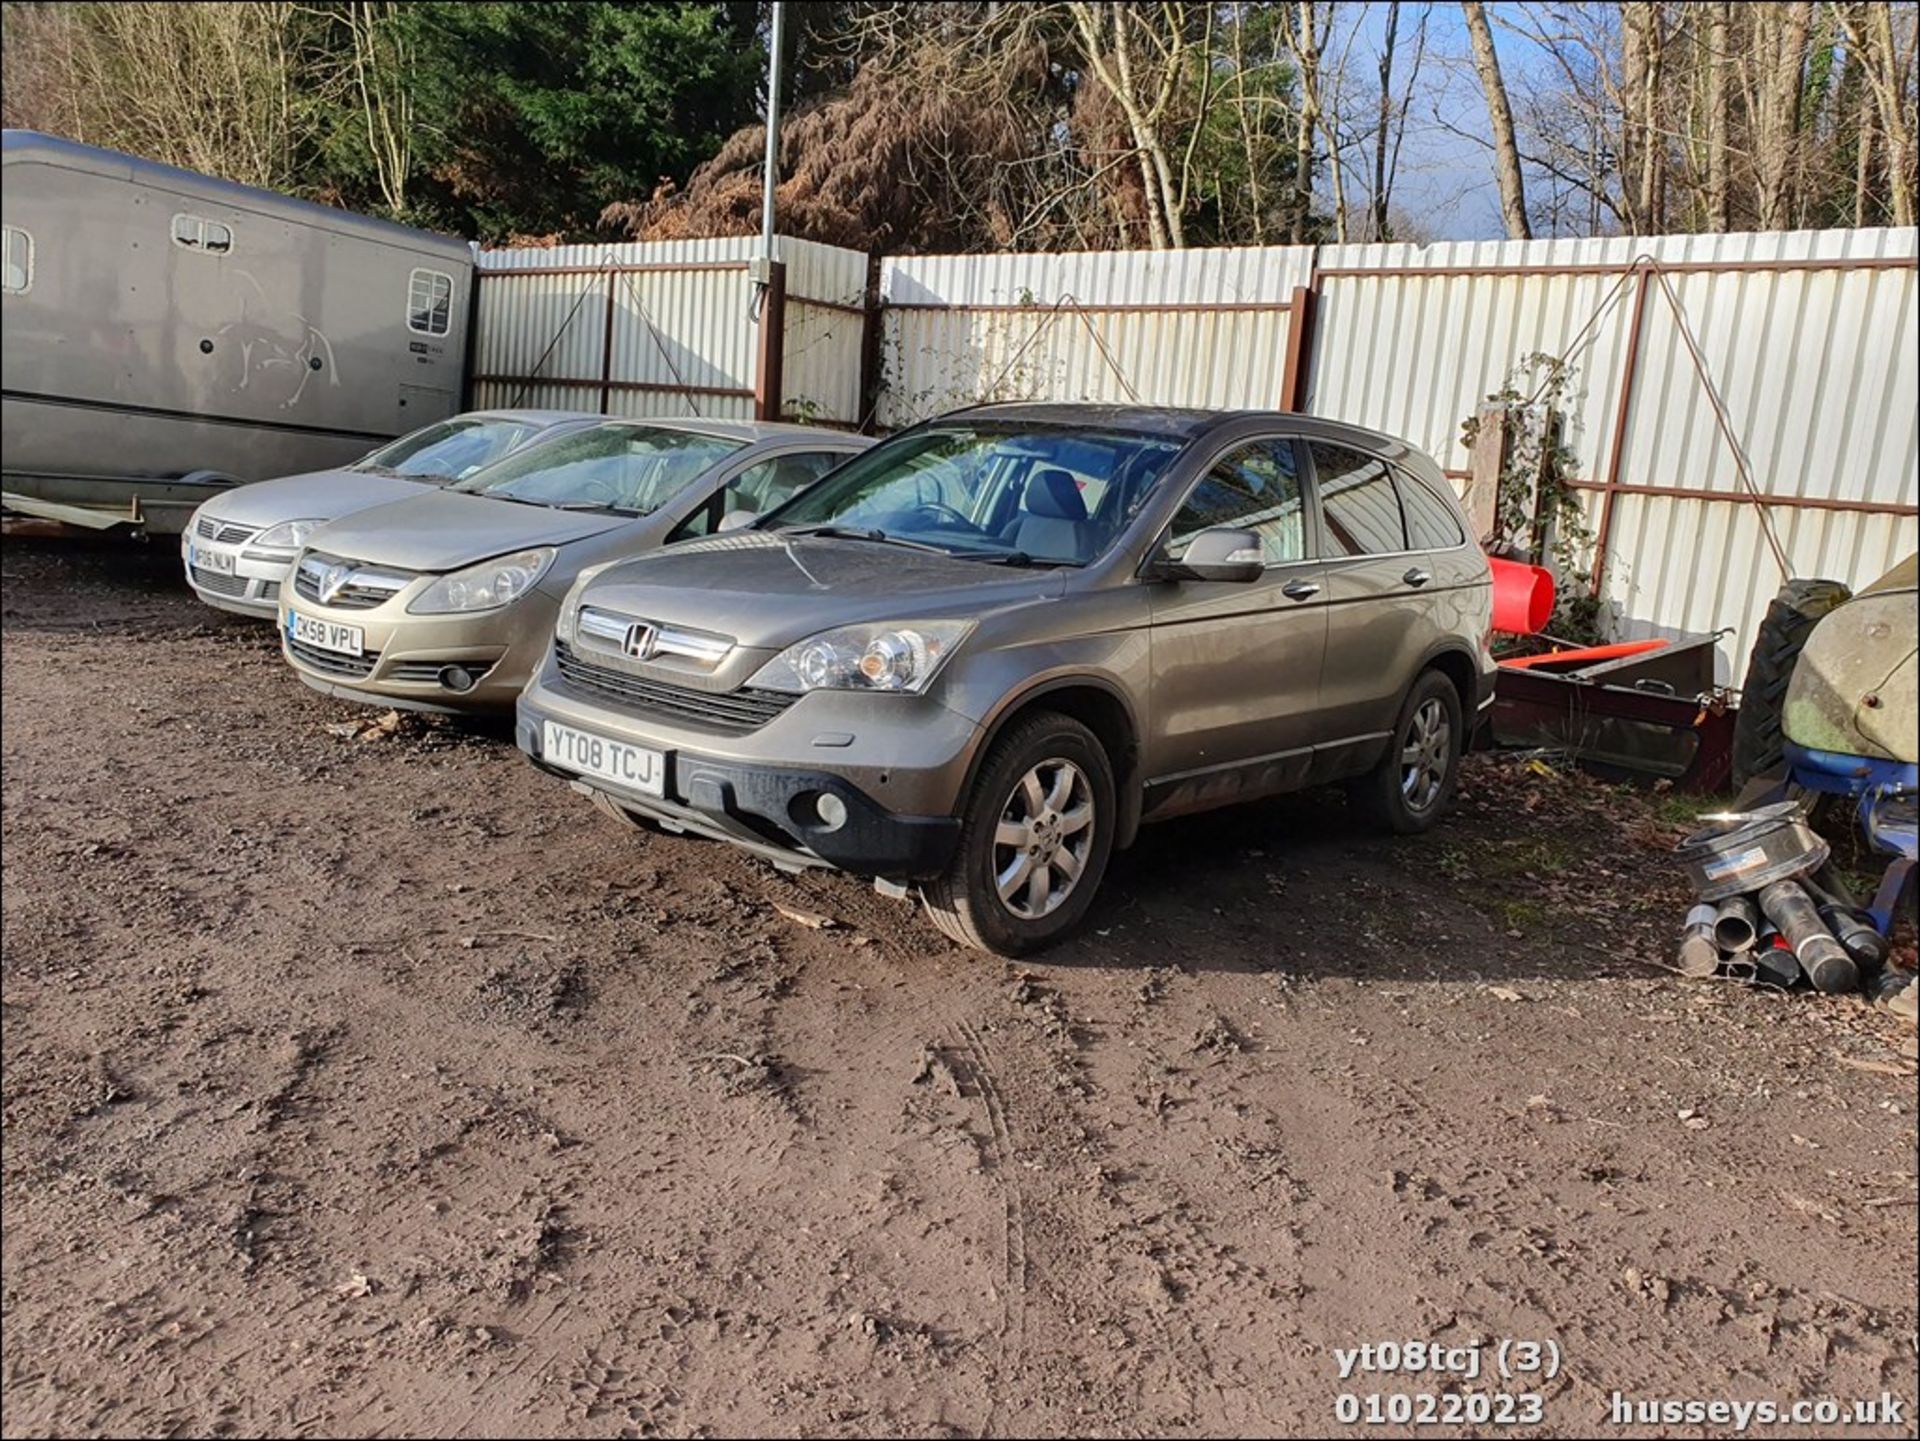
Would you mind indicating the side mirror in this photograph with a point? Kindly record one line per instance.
(735, 519)
(1220, 553)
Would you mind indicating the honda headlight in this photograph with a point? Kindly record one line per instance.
(901, 658)
(288, 535)
(486, 586)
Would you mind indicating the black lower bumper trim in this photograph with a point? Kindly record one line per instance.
(765, 808)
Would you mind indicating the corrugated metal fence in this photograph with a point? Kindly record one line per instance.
(667, 328)
(1807, 343)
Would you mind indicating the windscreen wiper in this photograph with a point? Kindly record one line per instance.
(878, 537)
(1019, 559)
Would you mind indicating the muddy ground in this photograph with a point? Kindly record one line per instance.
(379, 1085)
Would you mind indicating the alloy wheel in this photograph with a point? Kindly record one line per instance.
(1426, 755)
(1043, 839)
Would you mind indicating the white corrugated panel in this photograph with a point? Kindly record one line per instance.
(821, 379)
(679, 332)
(976, 346)
(1818, 369)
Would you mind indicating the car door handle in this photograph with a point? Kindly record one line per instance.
(1417, 577)
(1300, 589)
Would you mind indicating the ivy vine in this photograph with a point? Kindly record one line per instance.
(1536, 508)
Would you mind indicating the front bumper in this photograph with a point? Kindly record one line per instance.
(252, 589)
(405, 657)
(761, 797)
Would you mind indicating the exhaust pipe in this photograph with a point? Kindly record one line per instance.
(1699, 954)
(1818, 950)
(1736, 924)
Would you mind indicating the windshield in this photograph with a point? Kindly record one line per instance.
(451, 449)
(635, 469)
(1042, 494)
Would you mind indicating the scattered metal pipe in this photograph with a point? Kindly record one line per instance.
(1699, 955)
(1866, 945)
(1736, 924)
(1818, 950)
(1774, 963)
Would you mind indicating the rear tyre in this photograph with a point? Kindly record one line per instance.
(1034, 840)
(1415, 780)
(1758, 742)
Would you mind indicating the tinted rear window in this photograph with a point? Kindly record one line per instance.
(1431, 524)
(1357, 502)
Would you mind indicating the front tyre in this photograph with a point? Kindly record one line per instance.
(1415, 779)
(1034, 840)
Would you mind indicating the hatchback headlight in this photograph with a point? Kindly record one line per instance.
(486, 586)
(288, 535)
(569, 622)
(902, 658)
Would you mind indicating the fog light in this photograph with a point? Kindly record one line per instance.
(831, 810)
(457, 678)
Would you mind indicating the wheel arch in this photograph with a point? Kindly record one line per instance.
(1099, 705)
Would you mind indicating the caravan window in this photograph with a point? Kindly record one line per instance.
(430, 303)
(192, 232)
(19, 260)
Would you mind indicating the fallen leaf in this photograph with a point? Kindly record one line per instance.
(1505, 993)
(1878, 1068)
(812, 920)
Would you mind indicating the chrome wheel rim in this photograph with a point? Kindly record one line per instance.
(1043, 839)
(1425, 755)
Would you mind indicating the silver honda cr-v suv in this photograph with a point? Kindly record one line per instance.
(974, 659)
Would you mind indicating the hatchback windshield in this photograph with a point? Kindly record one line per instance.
(1042, 495)
(450, 450)
(634, 469)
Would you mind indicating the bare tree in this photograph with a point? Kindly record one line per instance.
(1141, 64)
(1506, 149)
(1716, 59)
(1886, 55)
(1391, 124)
(380, 61)
(1776, 67)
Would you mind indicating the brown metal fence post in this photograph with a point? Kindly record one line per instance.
(767, 394)
(606, 352)
(867, 402)
(1299, 365)
(1615, 457)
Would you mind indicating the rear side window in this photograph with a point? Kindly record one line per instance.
(19, 260)
(429, 303)
(195, 232)
(1431, 524)
(1358, 502)
(1252, 487)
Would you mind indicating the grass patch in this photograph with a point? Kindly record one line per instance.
(1683, 811)
(1523, 915)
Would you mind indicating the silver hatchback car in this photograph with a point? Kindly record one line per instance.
(446, 601)
(975, 659)
(239, 545)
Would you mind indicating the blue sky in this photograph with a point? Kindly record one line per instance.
(1445, 181)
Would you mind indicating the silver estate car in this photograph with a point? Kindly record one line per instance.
(975, 659)
(446, 601)
(238, 546)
